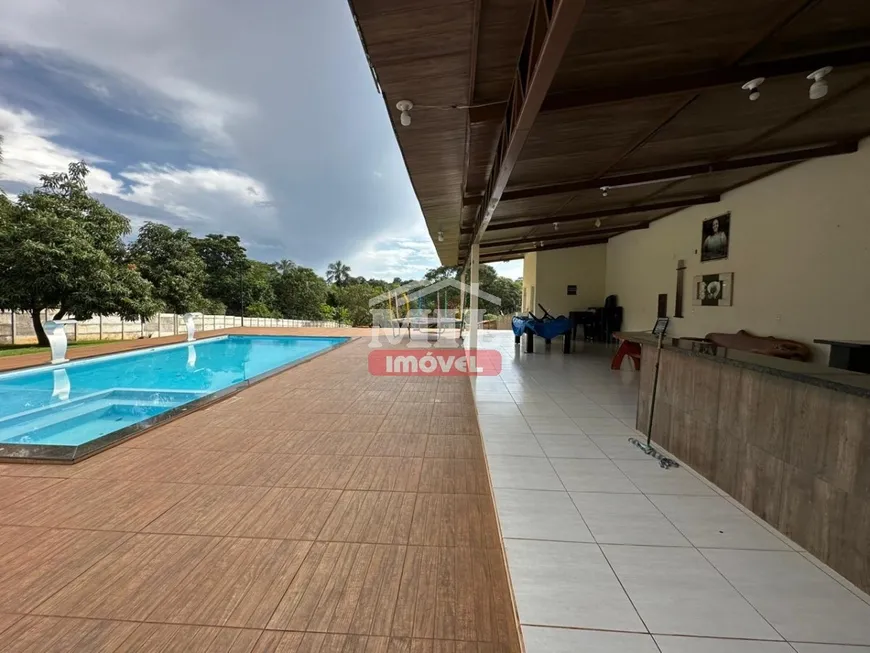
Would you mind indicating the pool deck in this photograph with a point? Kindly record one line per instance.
(321, 510)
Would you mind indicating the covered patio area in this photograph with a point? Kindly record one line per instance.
(607, 551)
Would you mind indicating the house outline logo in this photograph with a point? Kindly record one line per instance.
(418, 289)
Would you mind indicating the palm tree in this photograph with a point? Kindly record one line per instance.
(284, 265)
(338, 273)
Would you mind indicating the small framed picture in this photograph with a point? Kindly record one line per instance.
(715, 238)
(713, 289)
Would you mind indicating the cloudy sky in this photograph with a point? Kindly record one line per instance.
(257, 118)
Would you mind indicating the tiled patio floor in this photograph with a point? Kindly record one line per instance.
(610, 553)
(323, 510)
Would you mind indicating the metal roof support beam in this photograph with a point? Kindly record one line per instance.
(592, 233)
(500, 256)
(607, 213)
(688, 83)
(685, 171)
(548, 34)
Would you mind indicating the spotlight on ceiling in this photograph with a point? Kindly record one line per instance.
(555, 226)
(405, 107)
(597, 222)
(440, 236)
(604, 190)
(819, 88)
(752, 86)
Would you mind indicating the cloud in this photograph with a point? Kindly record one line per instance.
(185, 105)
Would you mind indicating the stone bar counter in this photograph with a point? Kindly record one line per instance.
(789, 440)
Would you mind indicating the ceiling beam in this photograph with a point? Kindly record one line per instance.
(548, 34)
(691, 82)
(669, 174)
(496, 256)
(531, 238)
(606, 213)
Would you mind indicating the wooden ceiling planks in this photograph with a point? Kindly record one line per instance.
(616, 43)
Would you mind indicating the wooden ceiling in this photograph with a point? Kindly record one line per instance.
(642, 97)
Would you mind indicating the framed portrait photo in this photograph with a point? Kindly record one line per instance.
(715, 238)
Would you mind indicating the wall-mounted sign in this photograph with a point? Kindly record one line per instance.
(572, 290)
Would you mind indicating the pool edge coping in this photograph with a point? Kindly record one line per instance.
(61, 454)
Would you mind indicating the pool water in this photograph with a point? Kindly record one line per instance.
(80, 401)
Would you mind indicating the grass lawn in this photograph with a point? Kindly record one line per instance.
(17, 350)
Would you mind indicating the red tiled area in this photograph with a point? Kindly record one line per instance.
(321, 511)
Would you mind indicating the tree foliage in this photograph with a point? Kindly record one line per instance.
(338, 273)
(168, 259)
(226, 265)
(300, 293)
(61, 248)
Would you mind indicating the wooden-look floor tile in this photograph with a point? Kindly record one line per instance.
(328, 406)
(386, 473)
(451, 396)
(286, 441)
(31, 634)
(158, 465)
(453, 476)
(403, 408)
(12, 537)
(407, 445)
(441, 425)
(452, 593)
(313, 422)
(370, 407)
(343, 588)
(372, 517)
(456, 409)
(328, 472)
(33, 572)
(97, 504)
(289, 513)
(454, 520)
(38, 471)
(6, 620)
(348, 443)
(255, 469)
(16, 488)
(414, 393)
(285, 418)
(415, 423)
(353, 423)
(290, 642)
(131, 580)
(189, 639)
(208, 510)
(238, 583)
(454, 446)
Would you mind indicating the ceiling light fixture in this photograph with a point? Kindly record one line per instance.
(752, 86)
(440, 236)
(555, 226)
(597, 222)
(405, 107)
(604, 190)
(819, 88)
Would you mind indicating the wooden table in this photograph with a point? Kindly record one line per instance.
(851, 355)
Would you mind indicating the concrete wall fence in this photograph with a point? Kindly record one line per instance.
(17, 328)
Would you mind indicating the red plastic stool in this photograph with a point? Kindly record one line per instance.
(626, 348)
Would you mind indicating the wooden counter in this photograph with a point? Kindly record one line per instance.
(790, 443)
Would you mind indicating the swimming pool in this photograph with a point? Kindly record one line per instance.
(66, 411)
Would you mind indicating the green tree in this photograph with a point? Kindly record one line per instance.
(226, 266)
(61, 248)
(168, 259)
(284, 265)
(355, 300)
(259, 288)
(338, 273)
(300, 293)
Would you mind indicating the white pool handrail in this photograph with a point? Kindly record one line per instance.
(190, 323)
(54, 330)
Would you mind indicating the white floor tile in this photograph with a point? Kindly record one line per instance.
(798, 598)
(676, 591)
(523, 473)
(552, 425)
(716, 522)
(563, 640)
(603, 426)
(618, 447)
(580, 475)
(829, 648)
(652, 479)
(503, 424)
(569, 446)
(539, 515)
(494, 396)
(673, 644)
(626, 519)
(587, 410)
(512, 444)
(568, 584)
(621, 412)
(537, 409)
(498, 408)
